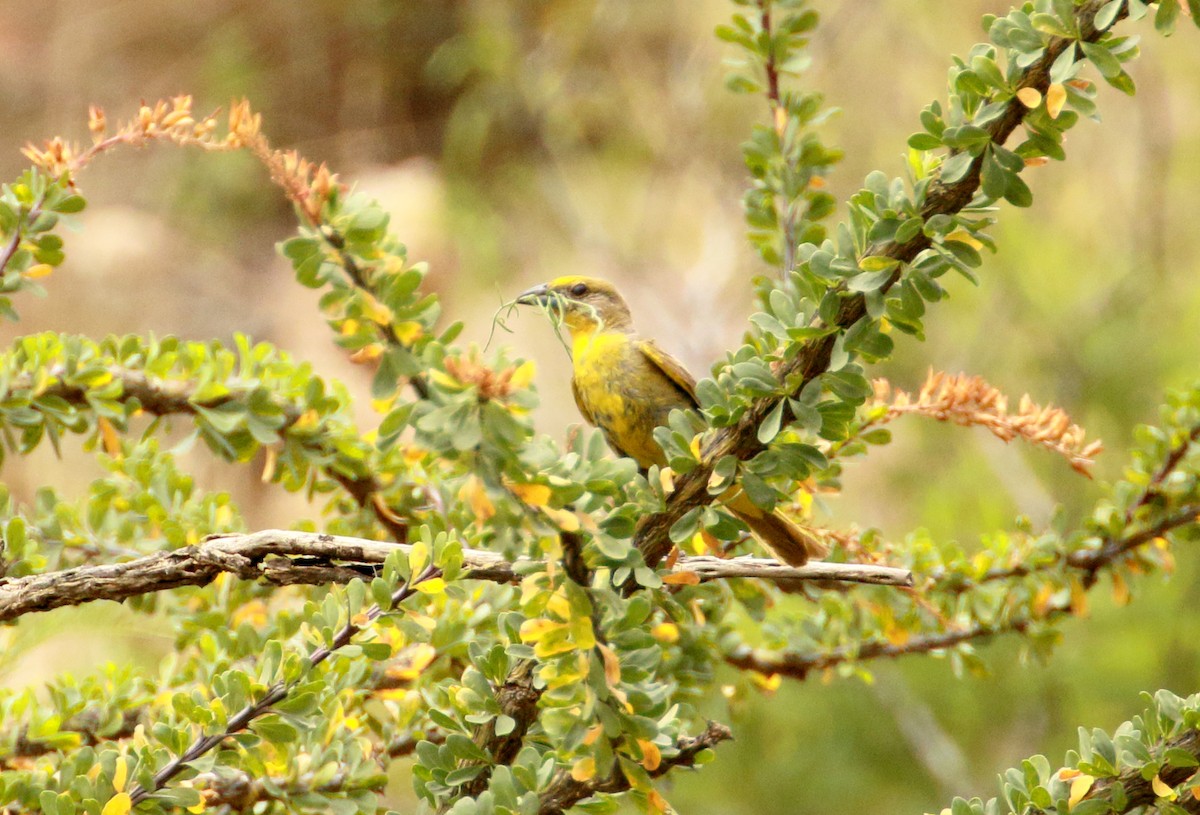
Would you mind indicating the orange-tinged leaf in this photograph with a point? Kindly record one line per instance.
(584, 769)
(1030, 97)
(1120, 589)
(681, 579)
(1079, 788)
(1037, 161)
(612, 665)
(367, 354)
(475, 494)
(1056, 97)
(119, 804)
(1079, 599)
(253, 612)
(1067, 773)
(1162, 789)
(593, 733)
(672, 558)
(110, 437)
(651, 755)
(657, 801)
(536, 495)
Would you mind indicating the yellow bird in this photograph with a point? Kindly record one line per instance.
(627, 386)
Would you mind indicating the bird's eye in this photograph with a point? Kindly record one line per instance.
(579, 289)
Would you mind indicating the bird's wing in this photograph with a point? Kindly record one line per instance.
(672, 367)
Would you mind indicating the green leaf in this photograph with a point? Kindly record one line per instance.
(1107, 64)
(1164, 18)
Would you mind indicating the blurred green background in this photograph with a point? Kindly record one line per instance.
(516, 141)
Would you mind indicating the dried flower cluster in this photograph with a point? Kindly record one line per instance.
(307, 185)
(491, 384)
(971, 400)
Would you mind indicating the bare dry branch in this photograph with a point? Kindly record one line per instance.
(282, 557)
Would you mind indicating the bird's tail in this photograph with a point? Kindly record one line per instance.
(790, 542)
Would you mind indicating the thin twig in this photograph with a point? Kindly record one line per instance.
(277, 693)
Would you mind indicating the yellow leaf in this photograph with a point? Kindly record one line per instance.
(559, 606)
(665, 632)
(434, 585)
(120, 775)
(1079, 788)
(412, 662)
(766, 682)
(409, 332)
(38, 270)
(963, 236)
(564, 519)
(307, 421)
(1056, 97)
(270, 459)
(651, 755)
(110, 437)
(583, 633)
(522, 377)
(534, 630)
(681, 579)
(536, 495)
(1030, 97)
(418, 557)
(119, 804)
(584, 769)
(666, 478)
(198, 808)
(1162, 789)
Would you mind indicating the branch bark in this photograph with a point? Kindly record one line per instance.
(564, 792)
(741, 440)
(285, 558)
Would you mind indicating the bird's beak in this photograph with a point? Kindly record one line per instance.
(536, 296)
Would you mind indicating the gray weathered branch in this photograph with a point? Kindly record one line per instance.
(284, 558)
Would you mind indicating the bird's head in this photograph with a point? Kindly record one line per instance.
(585, 304)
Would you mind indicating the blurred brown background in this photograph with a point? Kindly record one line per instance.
(513, 142)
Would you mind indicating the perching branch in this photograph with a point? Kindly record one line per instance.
(310, 558)
(741, 440)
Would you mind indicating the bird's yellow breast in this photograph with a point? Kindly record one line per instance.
(624, 394)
